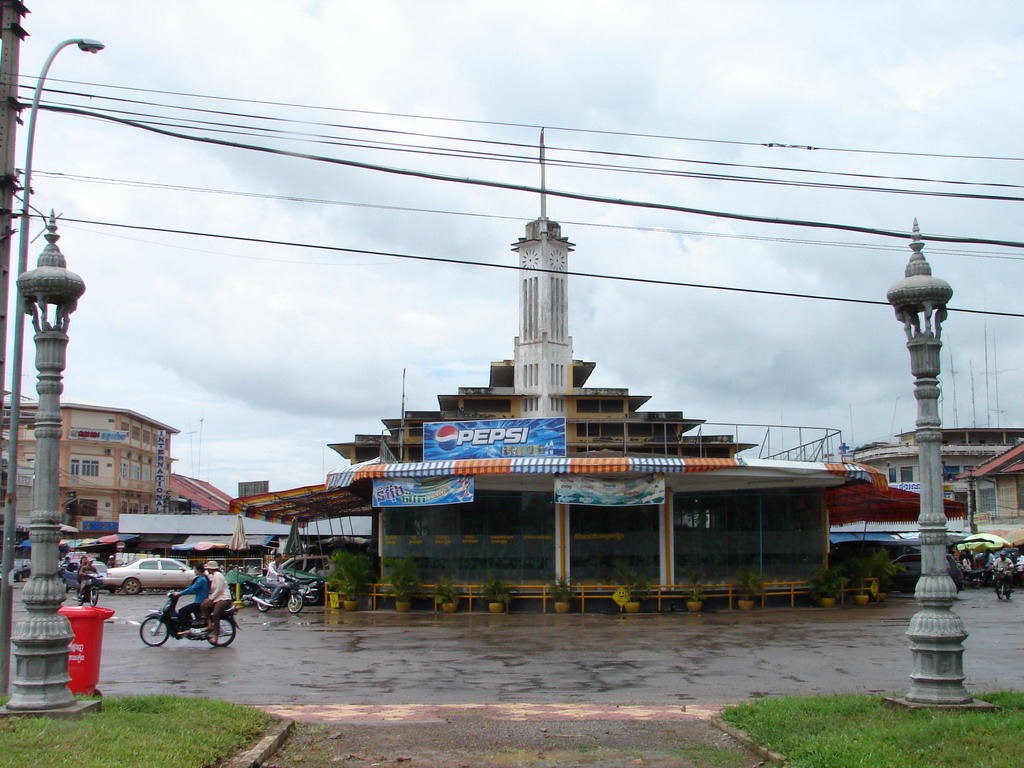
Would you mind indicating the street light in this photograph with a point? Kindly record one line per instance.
(52, 699)
(936, 633)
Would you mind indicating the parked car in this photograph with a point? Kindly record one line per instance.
(149, 573)
(906, 580)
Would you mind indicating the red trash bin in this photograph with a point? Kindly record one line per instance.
(85, 649)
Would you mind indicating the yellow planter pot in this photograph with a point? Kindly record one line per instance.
(402, 606)
(694, 606)
(496, 607)
(350, 605)
(745, 605)
(561, 607)
(632, 607)
(449, 607)
(827, 602)
(861, 599)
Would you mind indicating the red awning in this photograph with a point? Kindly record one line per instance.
(856, 502)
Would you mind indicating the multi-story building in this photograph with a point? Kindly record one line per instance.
(113, 461)
(963, 449)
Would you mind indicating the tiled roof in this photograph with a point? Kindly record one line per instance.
(1006, 462)
(208, 497)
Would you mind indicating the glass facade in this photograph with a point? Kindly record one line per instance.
(602, 535)
(782, 534)
(508, 534)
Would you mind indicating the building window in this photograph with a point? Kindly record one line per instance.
(135, 472)
(124, 470)
(906, 474)
(85, 468)
(949, 473)
(892, 475)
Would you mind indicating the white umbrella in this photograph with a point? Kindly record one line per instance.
(238, 543)
(238, 540)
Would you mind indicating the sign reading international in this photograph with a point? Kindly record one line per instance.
(494, 439)
(422, 492)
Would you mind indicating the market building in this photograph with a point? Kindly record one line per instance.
(466, 494)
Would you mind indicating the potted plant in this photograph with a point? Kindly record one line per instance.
(637, 587)
(445, 594)
(497, 593)
(825, 584)
(882, 569)
(332, 590)
(695, 600)
(562, 592)
(352, 572)
(859, 571)
(404, 578)
(749, 587)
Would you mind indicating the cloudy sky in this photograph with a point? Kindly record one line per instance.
(867, 114)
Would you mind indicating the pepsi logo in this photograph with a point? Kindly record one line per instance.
(447, 437)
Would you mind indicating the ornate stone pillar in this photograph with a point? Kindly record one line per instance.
(936, 633)
(50, 294)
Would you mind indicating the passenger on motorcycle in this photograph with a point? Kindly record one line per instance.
(219, 599)
(200, 588)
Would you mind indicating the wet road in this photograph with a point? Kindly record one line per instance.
(383, 657)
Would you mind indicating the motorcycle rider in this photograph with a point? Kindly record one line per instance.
(200, 588)
(1002, 570)
(274, 578)
(88, 578)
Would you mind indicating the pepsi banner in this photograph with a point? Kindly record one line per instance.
(495, 439)
(422, 492)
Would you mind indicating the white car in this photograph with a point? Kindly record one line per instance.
(149, 573)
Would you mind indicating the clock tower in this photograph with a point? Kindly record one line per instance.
(543, 348)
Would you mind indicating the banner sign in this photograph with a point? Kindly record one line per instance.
(421, 492)
(104, 435)
(494, 439)
(160, 478)
(583, 489)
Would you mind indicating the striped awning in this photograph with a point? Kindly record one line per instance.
(548, 465)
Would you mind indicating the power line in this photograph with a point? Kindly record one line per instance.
(492, 265)
(536, 190)
(537, 127)
(503, 217)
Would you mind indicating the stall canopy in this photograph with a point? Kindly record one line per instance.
(312, 502)
(856, 502)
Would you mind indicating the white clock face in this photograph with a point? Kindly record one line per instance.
(558, 260)
(530, 258)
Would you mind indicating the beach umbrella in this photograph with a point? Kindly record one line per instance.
(293, 544)
(979, 541)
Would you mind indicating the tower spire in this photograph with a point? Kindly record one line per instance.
(543, 181)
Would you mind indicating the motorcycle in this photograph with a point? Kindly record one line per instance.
(289, 595)
(163, 623)
(89, 591)
(1004, 584)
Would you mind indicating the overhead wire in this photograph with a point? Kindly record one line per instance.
(513, 267)
(494, 184)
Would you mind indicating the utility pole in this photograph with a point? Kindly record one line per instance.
(11, 35)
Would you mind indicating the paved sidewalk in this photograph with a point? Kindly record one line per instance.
(484, 735)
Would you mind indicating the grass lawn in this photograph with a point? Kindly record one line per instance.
(168, 731)
(858, 732)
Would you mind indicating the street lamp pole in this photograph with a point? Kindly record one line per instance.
(936, 633)
(11, 489)
(49, 293)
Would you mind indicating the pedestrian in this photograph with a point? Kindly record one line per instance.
(218, 600)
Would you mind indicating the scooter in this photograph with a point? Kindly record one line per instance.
(163, 623)
(289, 596)
(1004, 585)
